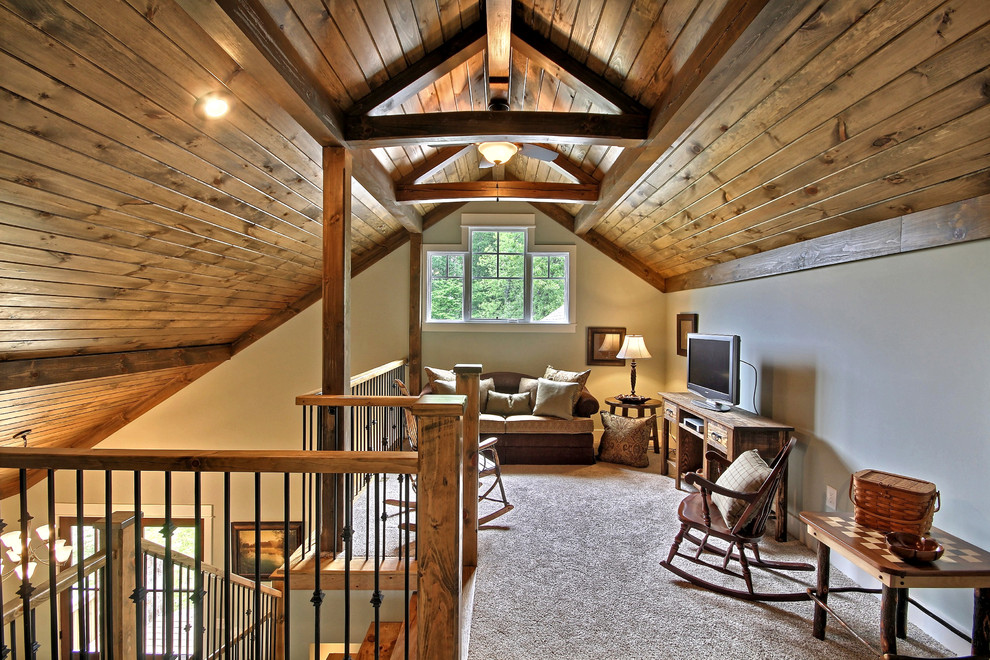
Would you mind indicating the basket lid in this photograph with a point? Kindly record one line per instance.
(895, 481)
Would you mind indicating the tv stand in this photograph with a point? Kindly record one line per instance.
(730, 433)
(709, 404)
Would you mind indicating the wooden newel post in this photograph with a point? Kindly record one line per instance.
(439, 506)
(121, 565)
(469, 384)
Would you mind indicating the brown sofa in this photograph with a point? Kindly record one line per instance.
(534, 439)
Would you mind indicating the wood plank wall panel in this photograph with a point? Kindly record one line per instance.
(866, 104)
(59, 414)
(126, 221)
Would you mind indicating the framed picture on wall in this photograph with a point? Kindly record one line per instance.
(272, 550)
(603, 344)
(685, 323)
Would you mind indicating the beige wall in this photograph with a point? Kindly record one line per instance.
(607, 295)
(883, 363)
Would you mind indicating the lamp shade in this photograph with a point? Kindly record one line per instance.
(634, 348)
(498, 152)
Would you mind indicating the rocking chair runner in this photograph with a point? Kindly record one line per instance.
(695, 513)
(488, 466)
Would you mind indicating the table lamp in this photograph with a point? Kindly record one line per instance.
(633, 348)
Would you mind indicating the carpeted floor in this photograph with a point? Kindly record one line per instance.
(573, 573)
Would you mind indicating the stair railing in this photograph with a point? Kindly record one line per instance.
(134, 474)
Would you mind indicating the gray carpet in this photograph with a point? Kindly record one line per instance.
(573, 573)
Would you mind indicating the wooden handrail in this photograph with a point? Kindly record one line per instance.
(186, 561)
(14, 608)
(435, 405)
(365, 376)
(295, 462)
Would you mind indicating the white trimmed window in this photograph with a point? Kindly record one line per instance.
(497, 277)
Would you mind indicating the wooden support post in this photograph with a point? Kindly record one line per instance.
(469, 384)
(121, 563)
(415, 314)
(439, 493)
(336, 330)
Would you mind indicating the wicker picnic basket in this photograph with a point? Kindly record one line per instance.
(893, 503)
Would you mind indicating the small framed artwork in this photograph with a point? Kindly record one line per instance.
(685, 323)
(603, 344)
(272, 550)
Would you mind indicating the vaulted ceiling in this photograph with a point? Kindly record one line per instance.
(141, 244)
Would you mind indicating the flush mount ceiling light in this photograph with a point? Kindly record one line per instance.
(213, 105)
(498, 153)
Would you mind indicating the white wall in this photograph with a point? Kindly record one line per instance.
(884, 364)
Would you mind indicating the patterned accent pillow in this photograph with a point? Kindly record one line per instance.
(625, 440)
(567, 376)
(556, 399)
(486, 386)
(508, 404)
(746, 474)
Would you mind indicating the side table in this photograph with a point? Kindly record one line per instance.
(648, 407)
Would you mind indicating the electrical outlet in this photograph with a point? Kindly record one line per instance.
(830, 498)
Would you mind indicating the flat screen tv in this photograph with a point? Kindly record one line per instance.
(713, 369)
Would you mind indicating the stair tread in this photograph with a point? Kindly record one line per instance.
(389, 631)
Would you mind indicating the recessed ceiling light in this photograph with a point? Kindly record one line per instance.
(213, 105)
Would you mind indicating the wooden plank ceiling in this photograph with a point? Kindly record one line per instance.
(133, 232)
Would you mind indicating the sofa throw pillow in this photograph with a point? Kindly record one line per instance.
(556, 398)
(528, 385)
(487, 385)
(568, 376)
(434, 375)
(625, 440)
(503, 404)
(444, 387)
(745, 474)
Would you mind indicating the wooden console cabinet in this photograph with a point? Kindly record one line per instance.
(683, 445)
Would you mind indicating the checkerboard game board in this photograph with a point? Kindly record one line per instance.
(871, 539)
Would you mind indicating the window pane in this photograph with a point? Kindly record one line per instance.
(512, 265)
(512, 241)
(455, 265)
(446, 299)
(438, 265)
(549, 300)
(497, 300)
(540, 266)
(484, 241)
(558, 266)
(484, 265)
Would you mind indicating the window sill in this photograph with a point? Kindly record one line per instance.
(501, 327)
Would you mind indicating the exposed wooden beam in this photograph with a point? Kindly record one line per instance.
(498, 16)
(368, 171)
(415, 313)
(462, 127)
(441, 159)
(261, 29)
(961, 222)
(570, 193)
(436, 64)
(562, 66)
(263, 32)
(687, 98)
(18, 374)
(603, 245)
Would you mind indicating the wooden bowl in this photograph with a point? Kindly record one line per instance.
(913, 547)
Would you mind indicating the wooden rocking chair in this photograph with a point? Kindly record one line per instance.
(488, 466)
(695, 514)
